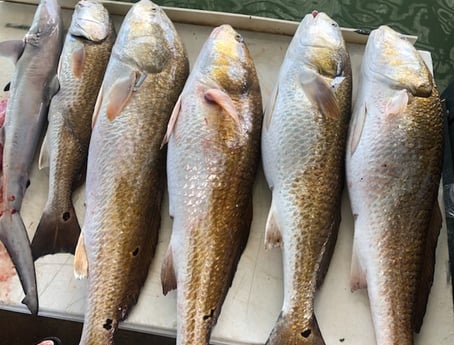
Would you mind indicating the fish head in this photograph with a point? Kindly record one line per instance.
(230, 62)
(394, 60)
(143, 40)
(320, 44)
(91, 21)
(47, 17)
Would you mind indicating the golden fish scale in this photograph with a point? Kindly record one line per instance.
(128, 171)
(311, 195)
(406, 163)
(218, 233)
(71, 111)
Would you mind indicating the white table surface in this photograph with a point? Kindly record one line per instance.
(254, 300)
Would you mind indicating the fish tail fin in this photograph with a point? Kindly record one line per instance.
(57, 232)
(13, 235)
(288, 330)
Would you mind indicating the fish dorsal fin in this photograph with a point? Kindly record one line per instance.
(78, 61)
(273, 234)
(172, 122)
(120, 94)
(320, 93)
(427, 269)
(98, 104)
(357, 126)
(397, 104)
(168, 276)
(224, 101)
(357, 272)
(270, 106)
(80, 260)
(44, 154)
(12, 49)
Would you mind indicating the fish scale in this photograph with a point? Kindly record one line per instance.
(393, 172)
(213, 155)
(303, 145)
(126, 167)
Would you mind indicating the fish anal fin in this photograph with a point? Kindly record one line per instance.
(78, 61)
(12, 49)
(357, 128)
(57, 232)
(397, 103)
(80, 260)
(172, 122)
(119, 95)
(273, 235)
(270, 107)
(427, 269)
(224, 101)
(43, 161)
(168, 276)
(358, 274)
(320, 93)
(329, 245)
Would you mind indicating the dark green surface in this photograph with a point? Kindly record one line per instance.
(431, 20)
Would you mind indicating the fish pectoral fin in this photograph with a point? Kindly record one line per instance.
(43, 161)
(97, 108)
(273, 234)
(224, 101)
(358, 122)
(78, 61)
(397, 104)
(7, 87)
(358, 274)
(12, 49)
(120, 94)
(172, 122)
(80, 260)
(270, 106)
(320, 93)
(428, 268)
(168, 276)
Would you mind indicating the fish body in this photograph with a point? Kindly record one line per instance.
(394, 157)
(33, 84)
(126, 166)
(213, 154)
(83, 62)
(303, 147)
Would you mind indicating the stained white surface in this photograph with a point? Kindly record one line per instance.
(254, 300)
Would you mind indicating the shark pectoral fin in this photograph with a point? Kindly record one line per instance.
(428, 268)
(273, 234)
(397, 104)
(270, 106)
(78, 61)
(168, 276)
(43, 161)
(172, 122)
(224, 101)
(358, 275)
(12, 49)
(320, 93)
(80, 259)
(120, 94)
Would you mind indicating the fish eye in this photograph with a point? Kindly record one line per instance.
(334, 24)
(239, 38)
(154, 9)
